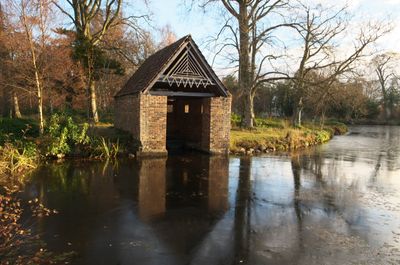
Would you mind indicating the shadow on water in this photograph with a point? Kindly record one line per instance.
(336, 204)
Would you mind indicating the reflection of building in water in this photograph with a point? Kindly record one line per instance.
(151, 197)
(184, 197)
(218, 172)
(199, 181)
(179, 182)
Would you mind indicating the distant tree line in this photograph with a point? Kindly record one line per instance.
(351, 101)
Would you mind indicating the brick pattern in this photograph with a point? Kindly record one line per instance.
(216, 124)
(205, 128)
(153, 123)
(127, 114)
(145, 116)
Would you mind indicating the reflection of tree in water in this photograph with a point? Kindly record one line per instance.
(333, 202)
(375, 171)
(74, 185)
(392, 147)
(242, 220)
(296, 169)
(62, 177)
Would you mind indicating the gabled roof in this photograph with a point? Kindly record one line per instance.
(154, 67)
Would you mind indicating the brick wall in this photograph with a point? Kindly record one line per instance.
(153, 123)
(216, 124)
(127, 114)
(145, 116)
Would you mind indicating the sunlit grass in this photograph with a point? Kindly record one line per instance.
(282, 137)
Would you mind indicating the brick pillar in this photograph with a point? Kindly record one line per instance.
(153, 124)
(216, 124)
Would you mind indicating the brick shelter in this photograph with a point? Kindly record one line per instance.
(175, 100)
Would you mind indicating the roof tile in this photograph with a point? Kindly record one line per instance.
(150, 69)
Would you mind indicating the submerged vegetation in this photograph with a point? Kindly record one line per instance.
(277, 135)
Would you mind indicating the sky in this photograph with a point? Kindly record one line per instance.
(203, 25)
(199, 25)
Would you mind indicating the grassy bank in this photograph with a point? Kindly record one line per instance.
(22, 148)
(277, 135)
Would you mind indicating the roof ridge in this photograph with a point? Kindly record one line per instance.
(148, 71)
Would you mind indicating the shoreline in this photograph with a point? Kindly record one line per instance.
(271, 140)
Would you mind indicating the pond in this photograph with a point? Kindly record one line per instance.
(338, 203)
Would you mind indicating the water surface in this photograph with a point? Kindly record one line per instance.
(336, 204)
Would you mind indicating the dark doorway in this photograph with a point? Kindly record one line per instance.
(184, 123)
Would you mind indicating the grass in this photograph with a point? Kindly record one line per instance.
(18, 152)
(21, 147)
(281, 136)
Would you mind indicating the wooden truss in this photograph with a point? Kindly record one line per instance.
(187, 71)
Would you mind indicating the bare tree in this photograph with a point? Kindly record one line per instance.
(384, 67)
(10, 102)
(84, 15)
(323, 31)
(5, 100)
(251, 25)
(33, 14)
(168, 36)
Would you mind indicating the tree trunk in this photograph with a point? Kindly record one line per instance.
(322, 121)
(51, 101)
(386, 109)
(38, 84)
(297, 115)
(16, 111)
(384, 101)
(40, 103)
(249, 111)
(244, 64)
(93, 113)
(6, 110)
(92, 98)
